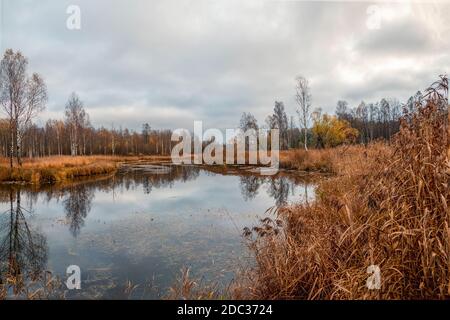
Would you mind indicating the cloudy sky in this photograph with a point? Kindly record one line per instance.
(170, 62)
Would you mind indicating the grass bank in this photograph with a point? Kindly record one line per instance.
(65, 168)
(331, 160)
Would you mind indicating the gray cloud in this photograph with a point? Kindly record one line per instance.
(171, 62)
(401, 37)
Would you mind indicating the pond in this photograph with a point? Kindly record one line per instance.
(140, 227)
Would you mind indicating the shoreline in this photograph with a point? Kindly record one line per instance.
(56, 169)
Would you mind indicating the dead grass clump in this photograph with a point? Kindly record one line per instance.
(332, 160)
(43, 286)
(187, 288)
(4, 174)
(317, 160)
(51, 172)
(391, 210)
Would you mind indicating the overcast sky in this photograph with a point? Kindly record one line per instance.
(170, 62)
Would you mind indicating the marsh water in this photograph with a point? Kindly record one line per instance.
(139, 228)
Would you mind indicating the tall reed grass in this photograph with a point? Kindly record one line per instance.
(388, 206)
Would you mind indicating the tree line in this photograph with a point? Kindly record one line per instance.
(57, 137)
(363, 124)
(23, 97)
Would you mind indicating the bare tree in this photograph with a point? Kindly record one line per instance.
(303, 98)
(85, 128)
(385, 110)
(362, 114)
(76, 119)
(21, 97)
(12, 89)
(278, 120)
(113, 142)
(248, 121)
(36, 97)
(342, 110)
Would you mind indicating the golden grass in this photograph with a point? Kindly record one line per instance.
(69, 161)
(387, 206)
(40, 288)
(330, 160)
(62, 168)
(185, 287)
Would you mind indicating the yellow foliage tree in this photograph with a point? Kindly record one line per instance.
(329, 131)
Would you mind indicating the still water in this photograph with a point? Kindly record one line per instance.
(139, 227)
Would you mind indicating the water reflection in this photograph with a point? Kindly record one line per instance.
(134, 176)
(278, 187)
(249, 186)
(77, 198)
(279, 190)
(23, 250)
(143, 223)
(77, 205)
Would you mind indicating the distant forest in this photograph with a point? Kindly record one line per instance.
(22, 97)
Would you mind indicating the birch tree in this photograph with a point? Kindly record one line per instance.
(76, 118)
(12, 91)
(303, 98)
(35, 99)
(21, 98)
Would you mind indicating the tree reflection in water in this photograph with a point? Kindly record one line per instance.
(23, 251)
(77, 205)
(150, 180)
(77, 199)
(249, 186)
(278, 187)
(279, 190)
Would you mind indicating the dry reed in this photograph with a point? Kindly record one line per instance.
(387, 207)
